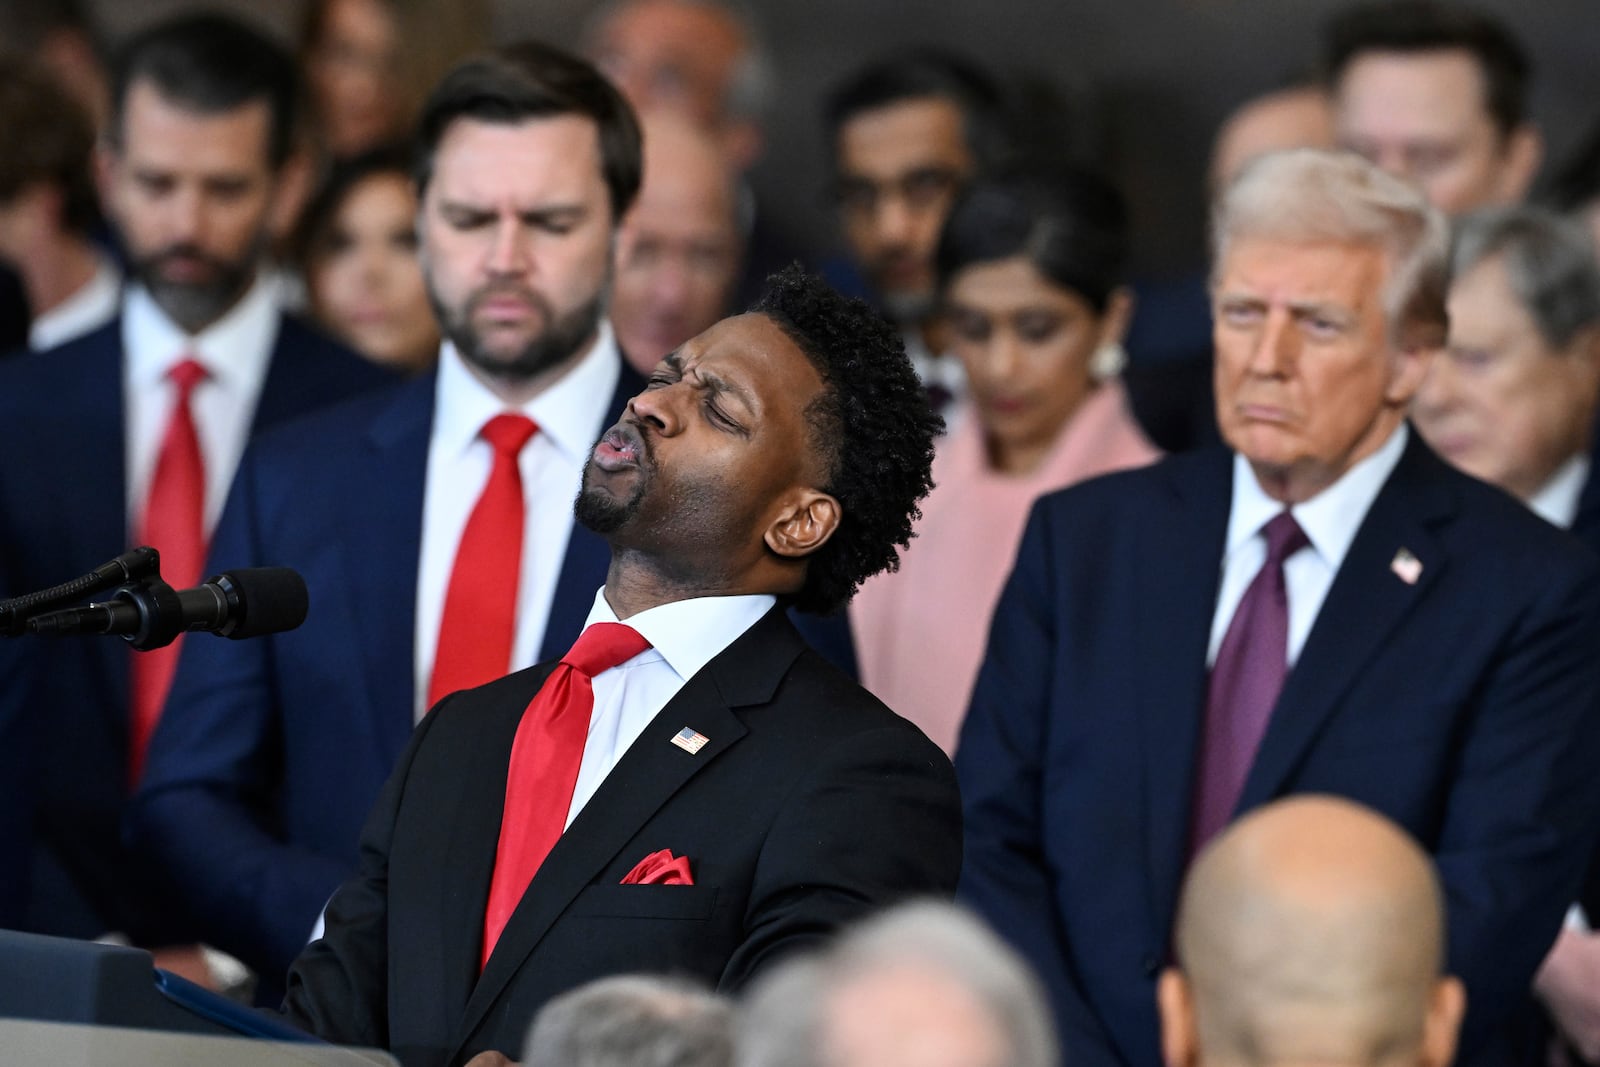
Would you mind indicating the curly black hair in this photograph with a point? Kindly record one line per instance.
(871, 425)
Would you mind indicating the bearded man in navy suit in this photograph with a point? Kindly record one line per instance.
(195, 169)
(1327, 607)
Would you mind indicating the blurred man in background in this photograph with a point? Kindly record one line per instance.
(922, 985)
(48, 205)
(905, 134)
(1438, 94)
(679, 250)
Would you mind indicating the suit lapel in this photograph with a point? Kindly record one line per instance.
(1180, 569)
(1367, 600)
(747, 672)
(382, 540)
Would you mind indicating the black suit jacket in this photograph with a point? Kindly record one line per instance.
(810, 805)
(1464, 705)
(63, 510)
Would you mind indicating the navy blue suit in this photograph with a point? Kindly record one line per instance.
(63, 510)
(272, 751)
(1462, 706)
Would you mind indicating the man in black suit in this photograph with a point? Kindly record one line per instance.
(776, 458)
(202, 129)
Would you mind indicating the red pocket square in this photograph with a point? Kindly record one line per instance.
(660, 868)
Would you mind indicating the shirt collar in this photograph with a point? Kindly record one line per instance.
(568, 413)
(228, 348)
(1331, 518)
(1556, 502)
(688, 634)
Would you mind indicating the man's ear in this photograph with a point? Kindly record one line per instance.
(291, 192)
(1442, 1024)
(105, 174)
(806, 521)
(1412, 358)
(1180, 1046)
(1524, 151)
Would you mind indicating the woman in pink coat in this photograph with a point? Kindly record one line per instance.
(1031, 281)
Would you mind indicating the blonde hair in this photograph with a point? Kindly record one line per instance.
(1313, 195)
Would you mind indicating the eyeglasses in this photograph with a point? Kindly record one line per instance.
(921, 189)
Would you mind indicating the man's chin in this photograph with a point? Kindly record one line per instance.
(599, 510)
(906, 305)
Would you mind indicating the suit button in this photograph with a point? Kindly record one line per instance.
(1151, 966)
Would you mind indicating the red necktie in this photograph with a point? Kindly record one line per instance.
(1252, 663)
(545, 758)
(479, 619)
(174, 523)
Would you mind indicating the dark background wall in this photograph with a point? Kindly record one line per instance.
(1149, 79)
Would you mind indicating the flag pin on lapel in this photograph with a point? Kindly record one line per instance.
(691, 741)
(1407, 568)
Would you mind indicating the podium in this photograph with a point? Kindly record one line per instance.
(80, 1002)
(26, 1042)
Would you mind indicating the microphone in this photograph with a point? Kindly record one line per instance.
(132, 566)
(237, 604)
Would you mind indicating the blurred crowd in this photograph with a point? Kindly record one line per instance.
(260, 297)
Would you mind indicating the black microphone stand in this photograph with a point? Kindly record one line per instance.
(129, 568)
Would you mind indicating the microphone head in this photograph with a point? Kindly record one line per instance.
(264, 600)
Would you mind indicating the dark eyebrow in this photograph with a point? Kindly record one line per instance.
(722, 387)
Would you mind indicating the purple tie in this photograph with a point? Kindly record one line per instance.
(1246, 679)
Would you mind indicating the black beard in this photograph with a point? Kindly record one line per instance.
(195, 305)
(555, 345)
(597, 510)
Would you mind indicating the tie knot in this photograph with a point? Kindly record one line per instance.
(186, 374)
(1284, 538)
(604, 645)
(507, 434)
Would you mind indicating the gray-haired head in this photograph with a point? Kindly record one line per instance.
(748, 84)
(1549, 261)
(1308, 195)
(632, 1021)
(965, 988)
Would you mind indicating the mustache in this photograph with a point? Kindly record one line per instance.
(520, 292)
(183, 251)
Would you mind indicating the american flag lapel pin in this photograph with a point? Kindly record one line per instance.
(690, 740)
(1407, 568)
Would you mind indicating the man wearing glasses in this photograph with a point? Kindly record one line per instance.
(906, 133)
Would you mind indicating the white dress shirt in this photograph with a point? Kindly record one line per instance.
(92, 306)
(569, 415)
(1330, 521)
(235, 351)
(684, 637)
(1556, 502)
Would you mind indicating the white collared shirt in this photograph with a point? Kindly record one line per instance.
(234, 350)
(91, 307)
(1330, 521)
(1556, 502)
(684, 637)
(569, 415)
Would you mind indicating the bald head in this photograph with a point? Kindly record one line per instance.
(1300, 117)
(1312, 931)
